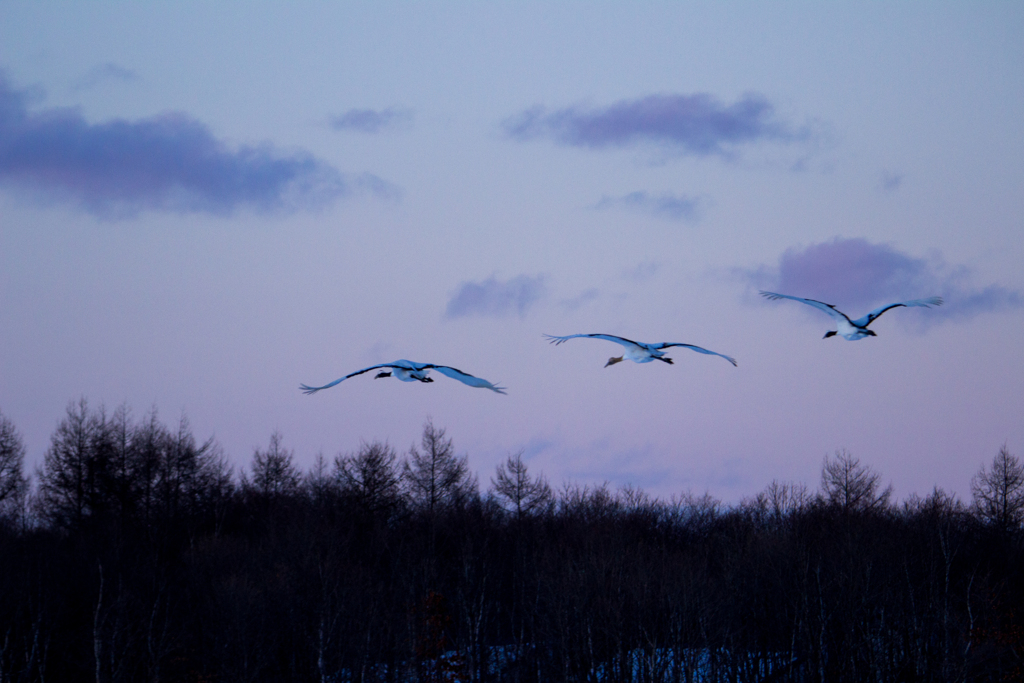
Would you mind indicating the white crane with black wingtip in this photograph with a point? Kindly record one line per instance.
(407, 371)
(638, 352)
(852, 330)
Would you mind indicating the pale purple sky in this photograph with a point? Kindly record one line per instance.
(204, 205)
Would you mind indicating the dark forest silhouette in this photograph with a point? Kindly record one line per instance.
(135, 553)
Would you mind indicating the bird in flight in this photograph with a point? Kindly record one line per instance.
(852, 330)
(638, 352)
(407, 371)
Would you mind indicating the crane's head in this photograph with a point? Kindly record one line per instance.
(830, 333)
(382, 374)
(613, 360)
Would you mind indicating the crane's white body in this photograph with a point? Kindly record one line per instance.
(408, 371)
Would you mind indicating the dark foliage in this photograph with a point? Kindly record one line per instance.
(147, 563)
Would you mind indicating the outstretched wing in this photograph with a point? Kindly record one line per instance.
(870, 317)
(698, 349)
(312, 390)
(608, 337)
(820, 305)
(466, 378)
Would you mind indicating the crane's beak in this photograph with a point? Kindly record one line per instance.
(613, 361)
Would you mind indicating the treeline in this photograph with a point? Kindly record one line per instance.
(136, 554)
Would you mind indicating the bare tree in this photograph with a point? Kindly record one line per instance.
(784, 498)
(150, 440)
(999, 491)
(273, 472)
(13, 484)
(67, 480)
(370, 477)
(123, 486)
(437, 478)
(191, 478)
(318, 484)
(523, 495)
(850, 486)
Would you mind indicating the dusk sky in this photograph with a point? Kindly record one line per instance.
(205, 205)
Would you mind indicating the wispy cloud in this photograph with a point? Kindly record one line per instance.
(891, 181)
(670, 206)
(376, 185)
(697, 124)
(861, 274)
(372, 120)
(379, 352)
(581, 300)
(165, 163)
(104, 73)
(642, 272)
(496, 298)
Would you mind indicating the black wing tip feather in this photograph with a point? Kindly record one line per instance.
(490, 385)
(308, 390)
(728, 358)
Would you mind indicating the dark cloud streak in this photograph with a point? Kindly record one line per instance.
(696, 124)
(372, 120)
(494, 298)
(165, 163)
(670, 206)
